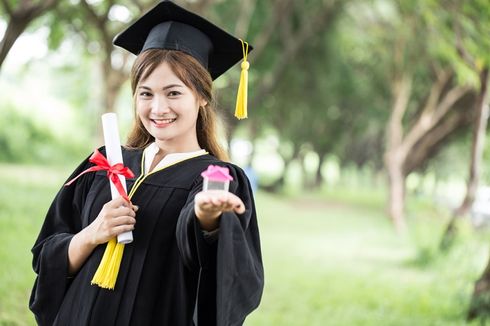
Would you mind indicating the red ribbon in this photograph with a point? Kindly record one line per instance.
(113, 171)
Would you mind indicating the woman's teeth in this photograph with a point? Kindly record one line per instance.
(161, 121)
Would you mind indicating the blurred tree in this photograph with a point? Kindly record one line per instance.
(19, 16)
(469, 25)
(26, 140)
(280, 31)
(466, 26)
(429, 103)
(480, 299)
(316, 109)
(294, 66)
(96, 23)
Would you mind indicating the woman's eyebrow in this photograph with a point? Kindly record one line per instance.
(164, 88)
(172, 86)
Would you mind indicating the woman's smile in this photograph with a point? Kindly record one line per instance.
(162, 122)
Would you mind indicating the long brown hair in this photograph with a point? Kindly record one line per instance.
(194, 76)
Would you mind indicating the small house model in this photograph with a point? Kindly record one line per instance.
(216, 178)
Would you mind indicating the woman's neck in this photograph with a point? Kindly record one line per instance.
(164, 148)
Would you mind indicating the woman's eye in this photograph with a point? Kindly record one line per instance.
(145, 94)
(174, 93)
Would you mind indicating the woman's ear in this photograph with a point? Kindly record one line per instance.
(203, 103)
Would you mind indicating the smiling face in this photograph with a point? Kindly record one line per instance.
(168, 110)
(195, 79)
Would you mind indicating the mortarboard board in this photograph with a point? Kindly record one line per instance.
(168, 26)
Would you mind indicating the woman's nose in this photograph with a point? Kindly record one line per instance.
(159, 105)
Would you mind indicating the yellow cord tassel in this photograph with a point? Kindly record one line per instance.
(241, 101)
(106, 274)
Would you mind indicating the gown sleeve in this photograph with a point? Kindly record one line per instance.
(231, 276)
(50, 251)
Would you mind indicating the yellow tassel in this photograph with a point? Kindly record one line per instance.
(109, 249)
(106, 274)
(241, 101)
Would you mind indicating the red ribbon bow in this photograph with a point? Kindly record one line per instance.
(113, 171)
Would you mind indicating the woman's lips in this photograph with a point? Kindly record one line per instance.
(160, 123)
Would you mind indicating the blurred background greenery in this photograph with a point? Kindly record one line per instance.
(366, 131)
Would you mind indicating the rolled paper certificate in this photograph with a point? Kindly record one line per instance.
(114, 156)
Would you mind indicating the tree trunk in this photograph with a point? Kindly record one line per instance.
(112, 85)
(408, 149)
(478, 145)
(304, 173)
(113, 80)
(480, 300)
(19, 19)
(278, 185)
(396, 185)
(318, 175)
(15, 28)
(395, 153)
(479, 132)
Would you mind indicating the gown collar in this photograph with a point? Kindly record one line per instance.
(152, 149)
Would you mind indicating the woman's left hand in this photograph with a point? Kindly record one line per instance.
(209, 205)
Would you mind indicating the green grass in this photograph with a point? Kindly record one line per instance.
(330, 258)
(25, 194)
(334, 259)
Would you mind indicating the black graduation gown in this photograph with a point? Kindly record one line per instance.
(169, 274)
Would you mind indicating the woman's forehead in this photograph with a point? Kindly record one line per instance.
(161, 74)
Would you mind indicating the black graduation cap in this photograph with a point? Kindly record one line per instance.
(168, 26)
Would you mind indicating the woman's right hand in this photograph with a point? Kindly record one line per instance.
(117, 216)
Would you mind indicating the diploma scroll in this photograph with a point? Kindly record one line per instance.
(114, 156)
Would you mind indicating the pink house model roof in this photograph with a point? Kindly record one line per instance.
(217, 173)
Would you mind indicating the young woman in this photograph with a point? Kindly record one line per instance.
(195, 258)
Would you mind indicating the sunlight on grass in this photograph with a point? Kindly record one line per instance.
(331, 260)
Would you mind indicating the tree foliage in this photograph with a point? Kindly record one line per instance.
(24, 140)
(19, 16)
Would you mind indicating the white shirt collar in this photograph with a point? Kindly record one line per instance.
(152, 150)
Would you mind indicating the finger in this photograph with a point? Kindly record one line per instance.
(226, 201)
(206, 206)
(217, 201)
(226, 208)
(120, 201)
(123, 220)
(236, 204)
(116, 202)
(202, 198)
(211, 210)
(232, 201)
(240, 208)
(122, 211)
(117, 230)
